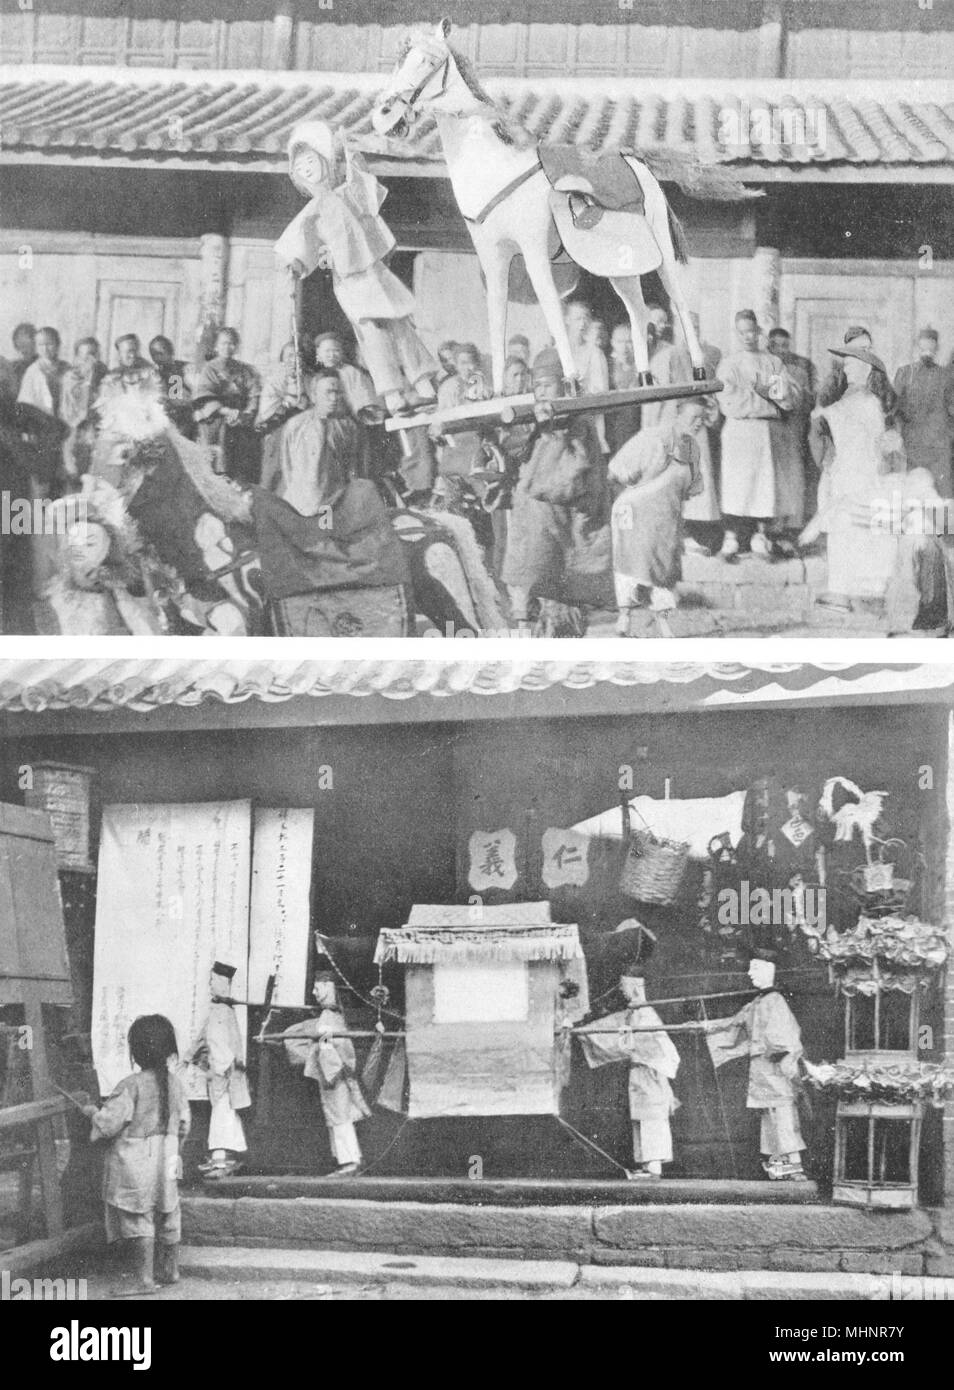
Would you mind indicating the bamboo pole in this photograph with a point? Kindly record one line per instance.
(317, 1037)
(640, 1028)
(558, 1032)
(635, 1028)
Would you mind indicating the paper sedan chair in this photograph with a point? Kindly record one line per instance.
(487, 992)
(607, 212)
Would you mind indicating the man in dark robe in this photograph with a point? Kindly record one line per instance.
(925, 393)
(331, 560)
(558, 545)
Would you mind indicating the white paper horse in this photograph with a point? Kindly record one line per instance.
(505, 196)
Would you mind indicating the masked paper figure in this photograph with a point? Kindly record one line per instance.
(341, 230)
(329, 1060)
(219, 1054)
(653, 1063)
(767, 1032)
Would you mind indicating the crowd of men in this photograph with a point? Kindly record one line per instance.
(572, 515)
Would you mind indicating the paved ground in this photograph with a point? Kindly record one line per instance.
(718, 623)
(321, 1291)
(281, 1275)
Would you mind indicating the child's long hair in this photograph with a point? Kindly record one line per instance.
(152, 1041)
(878, 384)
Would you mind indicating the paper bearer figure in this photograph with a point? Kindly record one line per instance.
(341, 230)
(329, 1060)
(767, 1032)
(219, 1054)
(654, 1062)
(637, 1035)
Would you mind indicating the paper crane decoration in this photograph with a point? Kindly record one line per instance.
(861, 815)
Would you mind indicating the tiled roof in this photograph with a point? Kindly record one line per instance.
(232, 115)
(143, 686)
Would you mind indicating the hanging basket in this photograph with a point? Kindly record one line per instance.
(654, 869)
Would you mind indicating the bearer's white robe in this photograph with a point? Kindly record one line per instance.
(221, 1040)
(653, 1063)
(767, 1032)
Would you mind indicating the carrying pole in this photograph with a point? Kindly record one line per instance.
(293, 283)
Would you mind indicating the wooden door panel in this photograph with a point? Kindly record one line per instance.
(146, 308)
(819, 308)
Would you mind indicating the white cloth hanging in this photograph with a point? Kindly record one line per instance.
(694, 821)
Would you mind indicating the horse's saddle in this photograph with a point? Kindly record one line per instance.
(594, 183)
(599, 209)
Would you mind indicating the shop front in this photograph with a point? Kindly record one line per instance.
(806, 810)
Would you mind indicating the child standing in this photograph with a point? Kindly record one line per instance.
(144, 1120)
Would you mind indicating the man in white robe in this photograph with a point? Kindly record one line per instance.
(757, 390)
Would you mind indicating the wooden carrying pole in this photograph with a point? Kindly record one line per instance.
(623, 1028)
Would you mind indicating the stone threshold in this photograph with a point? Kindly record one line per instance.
(730, 1236)
(518, 1191)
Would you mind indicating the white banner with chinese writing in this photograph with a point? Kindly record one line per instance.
(172, 897)
(281, 892)
(493, 859)
(565, 858)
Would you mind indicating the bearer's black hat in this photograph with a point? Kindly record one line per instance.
(219, 967)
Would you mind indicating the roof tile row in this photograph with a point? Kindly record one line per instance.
(143, 686)
(857, 124)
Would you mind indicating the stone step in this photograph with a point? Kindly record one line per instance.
(813, 1237)
(518, 1191)
(337, 1266)
(770, 594)
(325, 1271)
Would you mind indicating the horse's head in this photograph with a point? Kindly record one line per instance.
(421, 76)
(133, 434)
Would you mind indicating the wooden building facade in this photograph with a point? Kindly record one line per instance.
(142, 179)
(431, 753)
